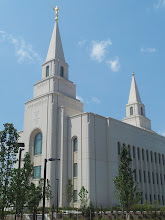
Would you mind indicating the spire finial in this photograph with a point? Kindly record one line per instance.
(56, 13)
(133, 74)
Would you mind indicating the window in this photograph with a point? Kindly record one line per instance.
(129, 150)
(138, 150)
(151, 156)
(163, 200)
(146, 197)
(155, 158)
(133, 151)
(142, 154)
(135, 174)
(141, 111)
(38, 144)
(163, 158)
(147, 154)
(148, 177)
(75, 144)
(153, 179)
(144, 177)
(159, 158)
(139, 176)
(75, 196)
(157, 178)
(62, 71)
(150, 199)
(131, 110)
(75, 170)
(154, 197)
(37, 172)
(47, 71)
(118, 148)
(158, 198)
(161, 179)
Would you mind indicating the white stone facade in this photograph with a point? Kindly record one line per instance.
(55, 112)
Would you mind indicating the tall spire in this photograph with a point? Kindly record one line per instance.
(55, 48)
(134, 96)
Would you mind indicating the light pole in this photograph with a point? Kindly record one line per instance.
(19, 166)
(57, 197)
(44, 187)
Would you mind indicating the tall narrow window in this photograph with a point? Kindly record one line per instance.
(155, 158)
(163, 158)
(131, 110)
(147, 154)
(62, 71)
(139, 176)
(153, 179)
(75, 170)
(148, 177)
(37, 172)
(75, 144)
(154, 197)
(47, 71)
(133, 151)
(159, 158)
(158, 198)
(129, 150)
(75, 196)
(38, 144)
(144, 177)
(157, 178)
(151, 156)
(142, 154)
(118, 148)
(141, 111)
(161, 179)
(150, 199)
(138, 150)
(163, 200)
(135, 175)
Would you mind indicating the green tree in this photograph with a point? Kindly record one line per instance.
(35, 195)
(20, 185)
(127, 192)
(69, 191)
(8, 150)
(84, 199)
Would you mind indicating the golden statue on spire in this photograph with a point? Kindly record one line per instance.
(56, 13)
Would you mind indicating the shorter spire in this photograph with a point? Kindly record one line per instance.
(134, 96)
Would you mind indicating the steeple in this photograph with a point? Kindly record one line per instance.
(135, 109)
(55, 50)
(134, 93)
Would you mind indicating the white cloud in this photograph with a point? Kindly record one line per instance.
(95, 100)
(148, 50)
(23, 50)
(81, 43)
(159, 4)
(114, 64)
(79, 98)
(99, 50)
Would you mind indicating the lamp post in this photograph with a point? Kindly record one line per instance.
(57, 197)
(19, 165)
(44, 187)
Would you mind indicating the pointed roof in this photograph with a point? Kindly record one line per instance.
(55, 48)
(134, 96)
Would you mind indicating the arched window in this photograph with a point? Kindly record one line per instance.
(134, 152)
(47, 71)
(143, 154)
(62, 71)
(131, 110)
(75, 144)
(151, 155)
(155, 158)
(141, 111)
(129, 150)
(38, 144)
(147, 154)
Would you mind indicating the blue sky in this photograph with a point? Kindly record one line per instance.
(104, 42)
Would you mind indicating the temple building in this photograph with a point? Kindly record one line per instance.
(88, 145)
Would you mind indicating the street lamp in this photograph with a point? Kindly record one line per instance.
(57, 196)
(44, 187)
(19, 165)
